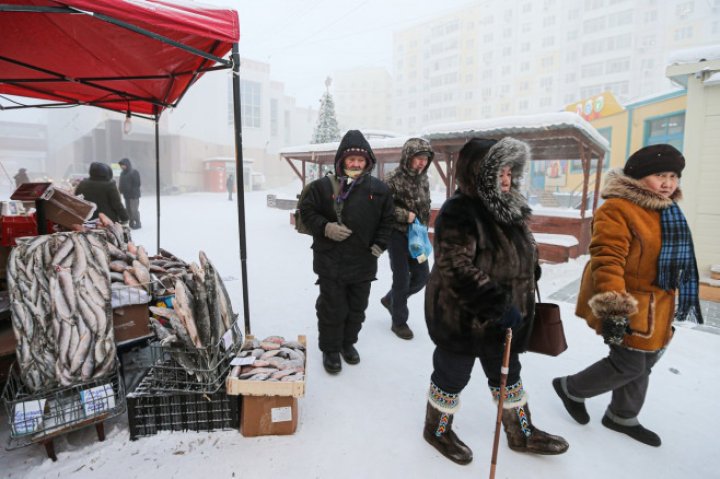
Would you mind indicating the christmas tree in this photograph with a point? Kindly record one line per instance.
(326, 129)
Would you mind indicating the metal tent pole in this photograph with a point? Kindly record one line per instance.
(157, 179)
(240, 197)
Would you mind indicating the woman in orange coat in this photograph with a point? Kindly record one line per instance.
(641, 253)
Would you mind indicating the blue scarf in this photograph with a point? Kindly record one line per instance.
(677, 267)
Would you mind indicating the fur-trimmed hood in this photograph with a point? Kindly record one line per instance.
(412, 147)
(483, 182)
(619, 185)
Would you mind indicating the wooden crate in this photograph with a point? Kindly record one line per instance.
(296, 389)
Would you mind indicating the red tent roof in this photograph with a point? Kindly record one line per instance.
(87, 52)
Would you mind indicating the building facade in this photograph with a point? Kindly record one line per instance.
(362, 98)
(498, 58)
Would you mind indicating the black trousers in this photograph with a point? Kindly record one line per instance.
(451, 371)
(132, 206)
(408, 276)
(340, 311)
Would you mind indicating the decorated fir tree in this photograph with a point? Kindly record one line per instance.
(326, 129)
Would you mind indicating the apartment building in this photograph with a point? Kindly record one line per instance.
(362, 98)
(498, 58)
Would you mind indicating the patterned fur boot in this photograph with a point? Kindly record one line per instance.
(522, 436)
(438, 431)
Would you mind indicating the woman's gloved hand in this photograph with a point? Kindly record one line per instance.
(511, 319)
(614, 329)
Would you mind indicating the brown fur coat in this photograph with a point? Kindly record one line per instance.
(619, 279)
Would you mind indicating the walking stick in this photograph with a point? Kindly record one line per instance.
(501, 398)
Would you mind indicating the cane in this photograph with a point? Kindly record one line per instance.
(503, 382)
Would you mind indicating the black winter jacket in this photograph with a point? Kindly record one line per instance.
(367, 211)
(101, 190)
(129, 181)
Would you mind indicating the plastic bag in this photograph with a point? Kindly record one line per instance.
(418, 241)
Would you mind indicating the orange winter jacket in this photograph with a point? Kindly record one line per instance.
(619, 279)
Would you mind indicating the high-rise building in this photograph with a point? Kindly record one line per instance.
(362, 98)
(498, 58)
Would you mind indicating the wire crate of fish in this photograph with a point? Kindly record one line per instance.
(179, 368)
(150, 412)
(38, 417)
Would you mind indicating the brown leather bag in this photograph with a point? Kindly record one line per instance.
(547, 335)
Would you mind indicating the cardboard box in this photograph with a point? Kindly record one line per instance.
(268, 415)
(296, 389)
(131, 322)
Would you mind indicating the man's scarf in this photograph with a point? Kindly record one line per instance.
(677, 267)
(346, 186)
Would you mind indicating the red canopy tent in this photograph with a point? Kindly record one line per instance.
(137, 57)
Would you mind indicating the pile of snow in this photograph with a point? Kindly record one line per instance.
(694, 55)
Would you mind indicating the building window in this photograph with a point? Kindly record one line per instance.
(617, 65)
(593, 25)
(651, 16)
(523, 105)
(548, 41)
(684, 33)
(668, 129)
(524, 66)
(591, 70)
(545, 102)
(250, 94)
(546, 82)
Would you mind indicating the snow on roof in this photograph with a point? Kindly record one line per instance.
(510, 124)
(375, 144)
(694, 55)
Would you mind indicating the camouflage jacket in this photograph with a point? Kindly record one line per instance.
(410, 190)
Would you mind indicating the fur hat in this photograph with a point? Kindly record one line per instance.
(654, 159)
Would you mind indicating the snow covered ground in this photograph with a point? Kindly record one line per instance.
(367, 421)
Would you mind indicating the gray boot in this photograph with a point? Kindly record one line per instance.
(521, 434)
(438, 426)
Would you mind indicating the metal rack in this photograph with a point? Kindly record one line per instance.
(202, 370)
(40, 417)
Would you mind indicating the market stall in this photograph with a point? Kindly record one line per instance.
(137, 58)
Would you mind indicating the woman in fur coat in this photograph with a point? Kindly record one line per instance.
(482, 282)
(641, 253)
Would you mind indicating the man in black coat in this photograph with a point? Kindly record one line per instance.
(351, 223)
(102, 190)
(130, 189)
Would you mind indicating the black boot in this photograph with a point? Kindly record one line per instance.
(402, 331)
(331, 362)
(635, 431)
(350, 354)
(522, 435)
(576, 409)
(438, 427)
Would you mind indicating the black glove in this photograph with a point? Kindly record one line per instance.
(614, 329)
(538, 271)
(511, 318)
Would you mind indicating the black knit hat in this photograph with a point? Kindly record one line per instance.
(654, 159)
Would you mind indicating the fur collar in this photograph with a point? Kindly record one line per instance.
(510, 207)
(619, 185)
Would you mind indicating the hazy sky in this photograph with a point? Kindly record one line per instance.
(306, 40)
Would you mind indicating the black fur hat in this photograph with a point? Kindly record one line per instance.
(654, 159)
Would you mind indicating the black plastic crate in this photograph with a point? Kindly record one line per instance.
(150, 412)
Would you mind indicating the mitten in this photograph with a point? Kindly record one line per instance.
(613, 329)
(376, 250)
(511, 318)
(337, 232)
